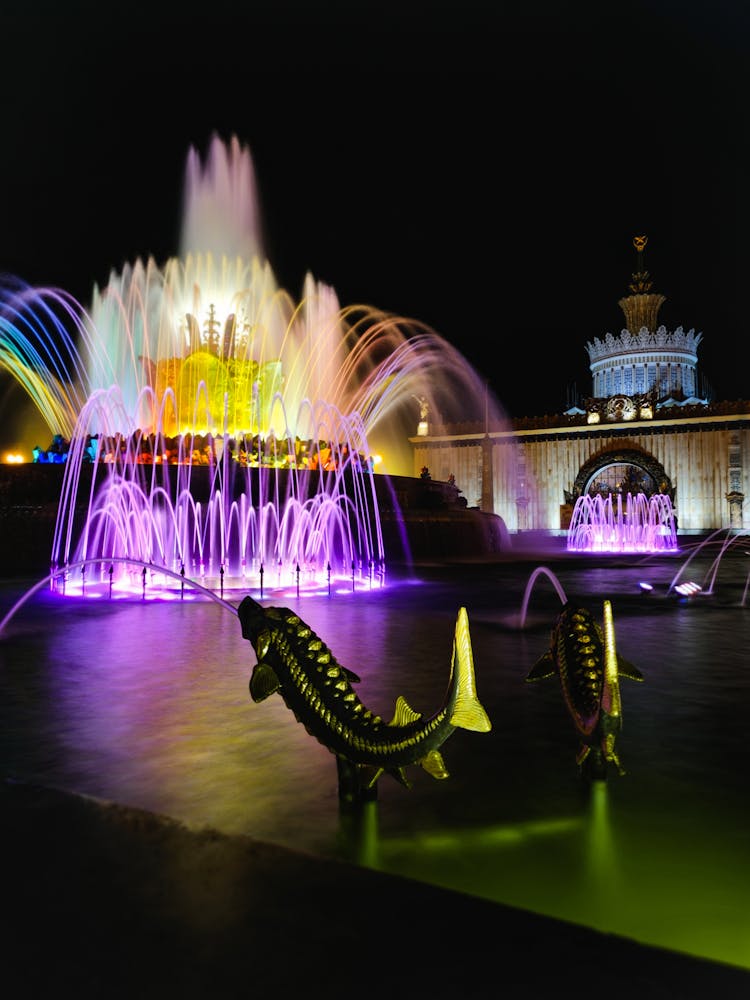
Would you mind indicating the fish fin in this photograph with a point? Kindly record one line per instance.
(471, 716)
(400, 775)
(350, 675)
(468, 711)
(543, 668)
(434, 765)
(403, 714)
(263, 682)
(627, 669)
(369, 775)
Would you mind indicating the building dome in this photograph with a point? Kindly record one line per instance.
(645, 359)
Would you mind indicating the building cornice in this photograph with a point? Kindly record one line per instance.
(582, 429)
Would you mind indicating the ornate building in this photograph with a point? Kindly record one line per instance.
(649, 426)
(646, 359)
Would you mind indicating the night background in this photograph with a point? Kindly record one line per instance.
(481, 168)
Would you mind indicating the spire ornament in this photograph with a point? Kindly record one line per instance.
(641, 308)
(641, 283)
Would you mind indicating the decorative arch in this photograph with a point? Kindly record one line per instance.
(622, 456)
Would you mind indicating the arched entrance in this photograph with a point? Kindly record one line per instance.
(622, 471)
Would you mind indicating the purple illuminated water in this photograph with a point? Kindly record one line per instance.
(633, 523)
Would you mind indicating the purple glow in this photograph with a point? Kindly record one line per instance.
(606, 524)
(224, 524)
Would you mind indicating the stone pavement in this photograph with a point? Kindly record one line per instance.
(105, 901)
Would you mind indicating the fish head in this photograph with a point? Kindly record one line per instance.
(609, 730)
(254, 622)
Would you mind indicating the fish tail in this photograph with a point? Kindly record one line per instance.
(468, 712)
(611, 701)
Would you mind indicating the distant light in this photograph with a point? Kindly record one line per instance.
(688, 589)
(14, 458)
(423, 429)
(645, 586)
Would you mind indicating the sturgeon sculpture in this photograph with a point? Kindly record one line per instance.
(588, 666)
(296, 663)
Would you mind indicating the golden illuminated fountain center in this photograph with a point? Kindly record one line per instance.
(216, 381)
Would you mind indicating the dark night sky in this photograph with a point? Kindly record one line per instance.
(480, 167)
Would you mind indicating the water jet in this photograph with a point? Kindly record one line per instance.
(613, 523)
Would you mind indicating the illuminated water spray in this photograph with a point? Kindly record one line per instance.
(218, 426)
(634, 523)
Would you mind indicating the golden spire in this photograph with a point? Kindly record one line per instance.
(641, 279)
(641, 308)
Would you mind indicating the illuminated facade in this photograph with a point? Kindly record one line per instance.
(663, 362)
(648, 426)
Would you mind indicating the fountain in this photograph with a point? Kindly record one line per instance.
(718, 547)
(607, 524)
(218, 428)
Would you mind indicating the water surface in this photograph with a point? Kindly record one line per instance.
(146, 703)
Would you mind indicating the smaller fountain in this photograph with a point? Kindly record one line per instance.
(720, 547)
(613, 523)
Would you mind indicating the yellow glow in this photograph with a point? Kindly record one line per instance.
(208, 387)
(498, 836)
(14, 458)
(611, 693)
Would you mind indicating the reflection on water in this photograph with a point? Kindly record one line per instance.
(147, 704)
